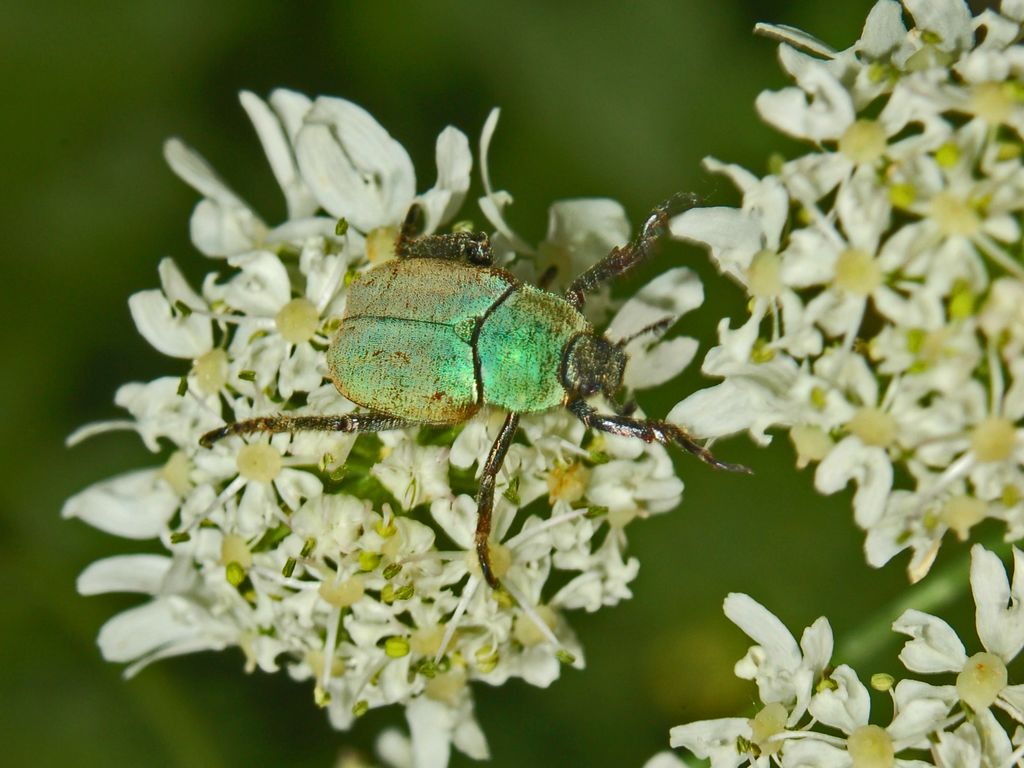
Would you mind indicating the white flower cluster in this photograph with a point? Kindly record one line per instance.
(814, 714)
(349, 560)
(885, 275)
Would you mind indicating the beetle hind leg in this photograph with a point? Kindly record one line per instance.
(354, 422)
(485, 496)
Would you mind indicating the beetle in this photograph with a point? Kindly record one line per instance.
(433, 335)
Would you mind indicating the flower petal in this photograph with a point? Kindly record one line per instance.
(1000, 612)
(883, 30)
(921, 709)
(819, 109)
(733, 237)
(278, 149)
(935, 646)
(124, 573)
(714, 739)
(154, 626)
(870, 467)
(454, 163)
(169, 330)
(847, 706)
(354, 167)
(651, 366)
(670, 295)
(949, 19)
(135, 505)
(764, 628)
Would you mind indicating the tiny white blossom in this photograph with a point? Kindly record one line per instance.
(884, 331)
(350, 560)
(812, 713)
(982, 678)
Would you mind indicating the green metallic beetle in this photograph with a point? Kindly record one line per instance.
(434, 335)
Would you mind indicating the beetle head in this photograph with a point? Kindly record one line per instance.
(592, 364)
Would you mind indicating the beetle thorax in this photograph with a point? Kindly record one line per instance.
(592, 364)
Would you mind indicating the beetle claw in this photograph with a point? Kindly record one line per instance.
(211, 437)
(742, 469)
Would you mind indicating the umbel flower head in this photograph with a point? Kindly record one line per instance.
(349, 560)
(885, 274)
(814, 713)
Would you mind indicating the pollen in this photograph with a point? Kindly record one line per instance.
(426, 641)
(486, 659)
(948, 155)
(961, 513)
(902, 195)
(343, 593)
(396, 647)
(992, 102)
(863, 142)
(873, 426)
(621, 516)
(315, 659)
(767, 723)
(871, 747)
(857, 272)
(211, 371)
(380, 244)
(392, 545)
(567, 483)
(881, 681)
(501, 560)
(175, 473)
(811, 443)
(527, 632)
(233, 549)
(298, 321)
(763, 275)
(259, 462)
(446, 687)
(953, 216)
(993, 439)
(982, 679)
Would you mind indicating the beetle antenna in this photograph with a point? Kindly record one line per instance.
(657, 328)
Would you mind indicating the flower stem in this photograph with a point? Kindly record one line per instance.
(938, 590)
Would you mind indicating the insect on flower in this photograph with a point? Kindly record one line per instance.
(432, 336)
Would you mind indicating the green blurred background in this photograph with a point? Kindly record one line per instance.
(616, 99)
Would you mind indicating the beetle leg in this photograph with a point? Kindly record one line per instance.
(650, 431)
(485, 495)
(355, 422)
(410, 232)
(547, 277)
(623, 259)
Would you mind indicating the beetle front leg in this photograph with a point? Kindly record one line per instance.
(639, 249)
(485, 495)
(355, 422)
(650, 431)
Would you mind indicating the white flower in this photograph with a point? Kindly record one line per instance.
(784, 671)
(359, 173)
(814, 714)
(350, 560)
(883, 332)
(982, 678)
